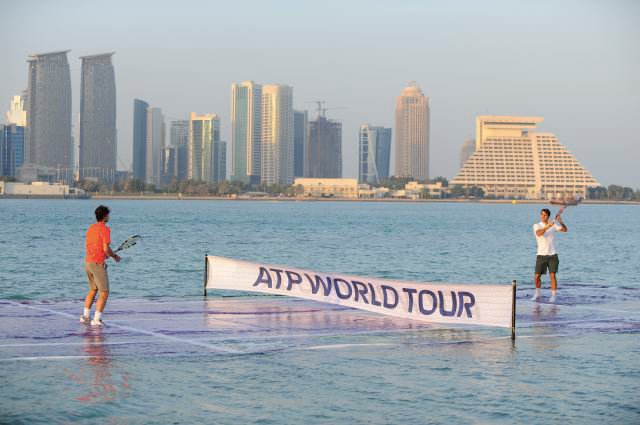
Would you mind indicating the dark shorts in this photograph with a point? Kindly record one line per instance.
(544, 262)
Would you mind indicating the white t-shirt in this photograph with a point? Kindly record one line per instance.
(546, 242)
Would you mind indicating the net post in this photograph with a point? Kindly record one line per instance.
(513, 310)
(206, 274)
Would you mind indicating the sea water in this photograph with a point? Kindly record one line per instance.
(590, 376)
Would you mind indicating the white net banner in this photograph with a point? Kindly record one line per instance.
(433, 302)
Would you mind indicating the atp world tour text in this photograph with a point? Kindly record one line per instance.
(421, 301)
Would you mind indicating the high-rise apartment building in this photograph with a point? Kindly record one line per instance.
(300, 141)
(324, 153)
(48, 138)
(140, 139)
(207, 153)
(374, 153)
(155, 141)
(412, 133)
(512, 161)
(468, 148)
(246, 132)
(277, 134)
(180, 140)
(97, 141)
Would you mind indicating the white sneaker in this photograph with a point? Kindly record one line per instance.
(536, 297)
(553, 299)
(85, 319)
(98, 322)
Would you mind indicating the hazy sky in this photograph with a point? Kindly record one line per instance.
(573, 62)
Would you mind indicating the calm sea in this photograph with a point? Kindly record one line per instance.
(586, 376)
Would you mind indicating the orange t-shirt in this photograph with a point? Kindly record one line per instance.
(97, 235)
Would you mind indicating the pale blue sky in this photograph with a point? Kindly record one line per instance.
(576, 63)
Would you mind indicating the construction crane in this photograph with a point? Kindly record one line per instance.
(321, 109)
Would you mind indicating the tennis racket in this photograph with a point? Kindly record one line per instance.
(131, 241)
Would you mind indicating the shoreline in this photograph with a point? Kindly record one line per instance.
(175, 197)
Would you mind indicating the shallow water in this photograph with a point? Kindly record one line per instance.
(587, 372)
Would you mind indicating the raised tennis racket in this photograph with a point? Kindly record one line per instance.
(131, 241)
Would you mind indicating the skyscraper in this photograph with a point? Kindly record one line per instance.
(513, 161)
(207, 154)
(300, 140)
(374, 153)
(154, 143)
(324, 153)
(468, 148)
(277, 134)
(48, 139)
(140, 139)
(246, 133)
(180, 140)
(98, 145)
(412, 133)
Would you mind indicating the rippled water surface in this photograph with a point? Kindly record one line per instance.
(581, 366)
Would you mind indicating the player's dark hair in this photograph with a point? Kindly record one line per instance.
(546, 210)
(101, 212)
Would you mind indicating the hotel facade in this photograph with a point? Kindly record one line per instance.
(513, 161)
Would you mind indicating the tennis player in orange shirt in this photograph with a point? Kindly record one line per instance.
(98, 251)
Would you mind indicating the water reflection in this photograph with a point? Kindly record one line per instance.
(98, 377)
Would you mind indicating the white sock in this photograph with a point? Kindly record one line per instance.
(97, 316)
(87, 312)
(554, 293)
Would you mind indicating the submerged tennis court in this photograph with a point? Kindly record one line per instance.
(247, 325)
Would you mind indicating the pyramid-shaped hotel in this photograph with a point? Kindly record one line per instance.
(512, 161)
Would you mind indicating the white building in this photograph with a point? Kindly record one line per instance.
(17, 113)
(328, 188)
(412, 133)
(277, 134)
(39, 189)
(512, 161)
(435, 190)
(365, 191)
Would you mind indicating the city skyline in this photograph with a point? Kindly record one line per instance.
(463, 74)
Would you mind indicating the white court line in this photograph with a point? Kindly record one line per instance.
(466, 341)
(568, 322)
(316, 347)
(340, 346)
(47, 344)
(584, 307)
(31, 359)
(142, 331)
